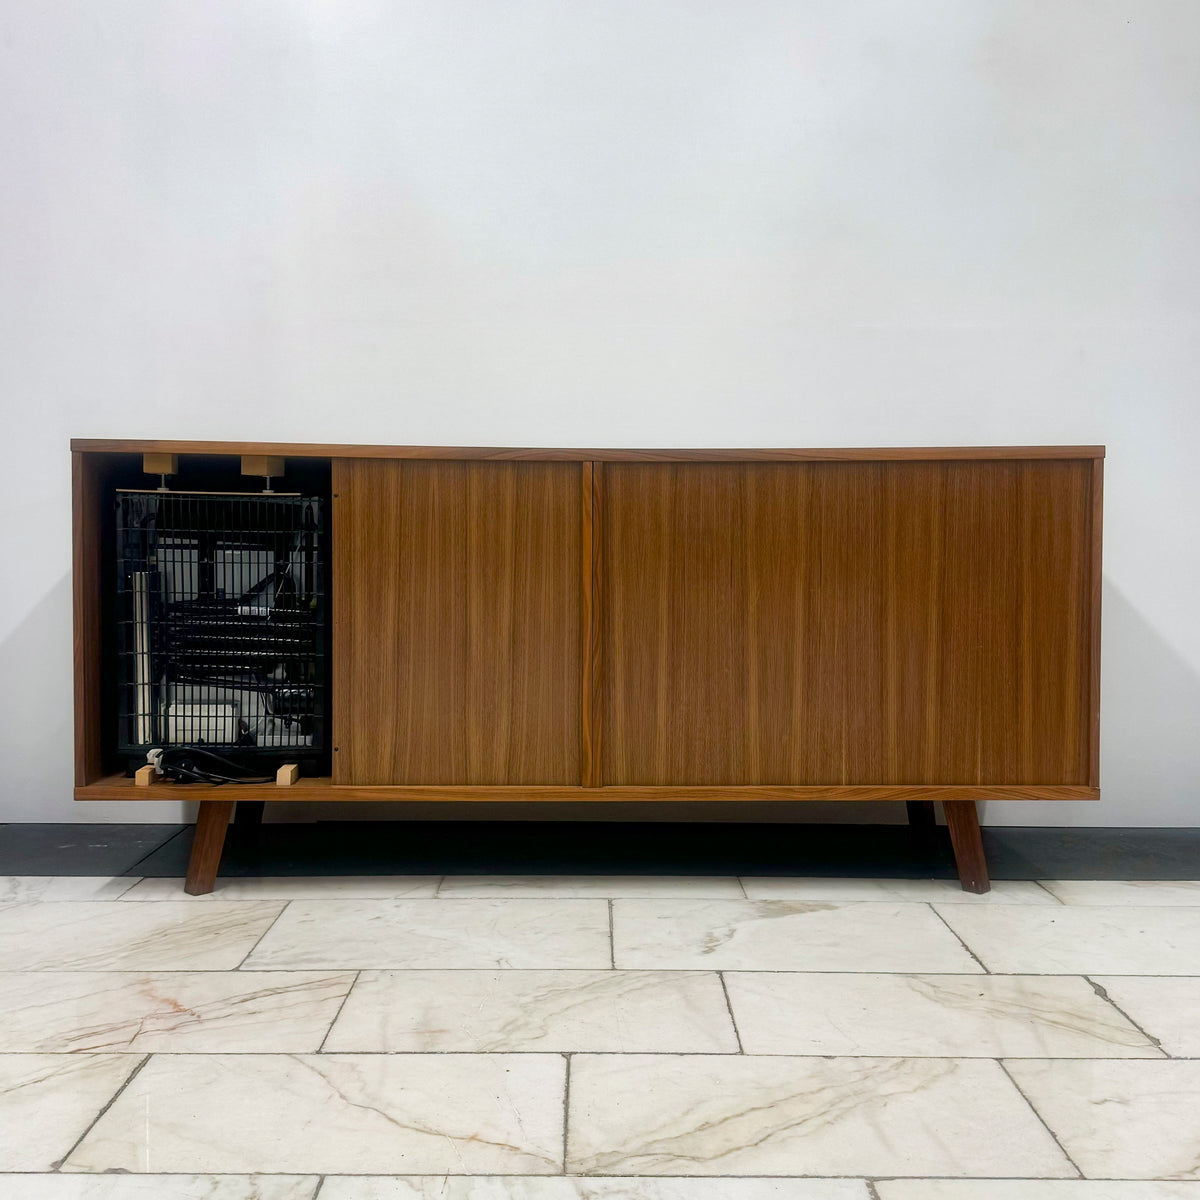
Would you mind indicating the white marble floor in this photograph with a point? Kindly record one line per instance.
(598, 1039)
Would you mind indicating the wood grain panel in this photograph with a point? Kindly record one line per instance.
(838, 673)
(1056, 599)
(400, 619)
(1096, 586)
(669, 536)
(916, 520)
(591, 640)
(523, 629)
(889, 623)
(119, 787)
(456, 622)
(977, 701)
(86, 515)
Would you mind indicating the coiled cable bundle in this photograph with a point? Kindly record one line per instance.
(197, 764)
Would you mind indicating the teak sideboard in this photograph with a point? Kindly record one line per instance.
(670, 626)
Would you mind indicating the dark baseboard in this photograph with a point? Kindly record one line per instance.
(567, 848)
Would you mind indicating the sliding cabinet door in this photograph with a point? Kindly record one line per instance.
(456, 622)
(842, 623)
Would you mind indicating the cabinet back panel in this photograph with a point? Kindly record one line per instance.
(846, 623)
(456, 622)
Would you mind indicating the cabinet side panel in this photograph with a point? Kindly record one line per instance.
(86, 516)
(1096, 584)
(456, 622)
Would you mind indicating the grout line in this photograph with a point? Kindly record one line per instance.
(742, 884)
(133, 882)
(353, 984)
(262, 935)
(566, 1109)
(963, 944)
(1033, 1109)
(612, 939)
(1102, 992)
(729, 1009)
(437, 887)
(169, 838)
(320, 1185)
(872, 1191)
(96, 1119)
(1057, 900)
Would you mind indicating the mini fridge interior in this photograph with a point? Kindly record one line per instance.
(219, 618)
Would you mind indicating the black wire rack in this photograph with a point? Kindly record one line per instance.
(220, 615)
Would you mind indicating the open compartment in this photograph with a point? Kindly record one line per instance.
(202, 621)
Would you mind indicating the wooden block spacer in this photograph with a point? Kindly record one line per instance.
(144, 776)
(287, 775)
(160, 464)
(266, 465)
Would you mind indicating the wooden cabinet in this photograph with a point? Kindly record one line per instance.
(680, 625)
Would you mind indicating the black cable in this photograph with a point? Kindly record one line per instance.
(196, 764)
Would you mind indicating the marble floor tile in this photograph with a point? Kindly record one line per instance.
(1137, 892)
(939, 1016)
(1119, 1120)
(1080, 941)
(328, 1113)
(281, 887)
(1166, 1008)
(742, 1115)
(1033, 1189)
(205, 1011)
(785, 935)
(381, 934)
(892, 891)
(48, 1100)
(511, 1187)
(160, 1187)
(603, 1011)
(87, 936)
(21, 889)
(607, 886)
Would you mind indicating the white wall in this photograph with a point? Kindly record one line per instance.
(643, 222)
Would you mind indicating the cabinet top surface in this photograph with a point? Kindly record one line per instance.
(545, 454)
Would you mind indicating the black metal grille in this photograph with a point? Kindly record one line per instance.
(221, 623)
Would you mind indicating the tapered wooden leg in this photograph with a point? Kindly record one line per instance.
(963, 822)
(921, 815)
(211, 824)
